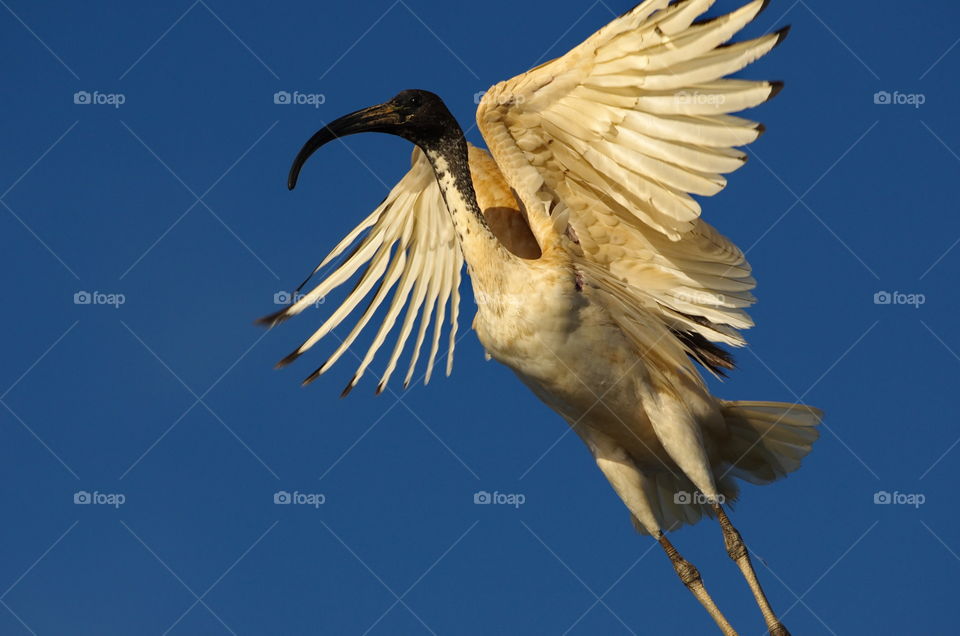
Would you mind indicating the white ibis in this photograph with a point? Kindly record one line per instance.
(596, 280)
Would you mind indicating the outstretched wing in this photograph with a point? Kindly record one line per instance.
(410, 246)
(614, 138)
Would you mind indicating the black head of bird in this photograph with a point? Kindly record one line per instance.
(418, 116)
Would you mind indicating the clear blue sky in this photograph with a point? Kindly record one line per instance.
(170, 399)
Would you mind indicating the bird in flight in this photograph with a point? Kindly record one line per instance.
(596, 280)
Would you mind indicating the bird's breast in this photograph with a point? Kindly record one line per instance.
(562, 344)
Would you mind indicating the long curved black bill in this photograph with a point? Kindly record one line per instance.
(379, 118)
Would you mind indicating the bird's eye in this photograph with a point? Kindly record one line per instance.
(413, 101)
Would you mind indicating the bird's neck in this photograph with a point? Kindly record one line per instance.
(451, 165)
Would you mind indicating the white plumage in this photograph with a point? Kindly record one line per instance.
(410, 244)
(597, 281)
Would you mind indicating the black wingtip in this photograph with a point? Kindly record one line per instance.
(272, 320)
(782, 35)
(348, 388)
(703, 21)
(287, 360)
(760, 130)
(310, 378)
(775, 88)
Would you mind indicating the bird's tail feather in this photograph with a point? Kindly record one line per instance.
(767, 439)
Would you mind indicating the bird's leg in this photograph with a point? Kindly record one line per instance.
(691, 578)
(738, 552)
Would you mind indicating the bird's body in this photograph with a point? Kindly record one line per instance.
(571, 353)
(595, 278)
(610, 376)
